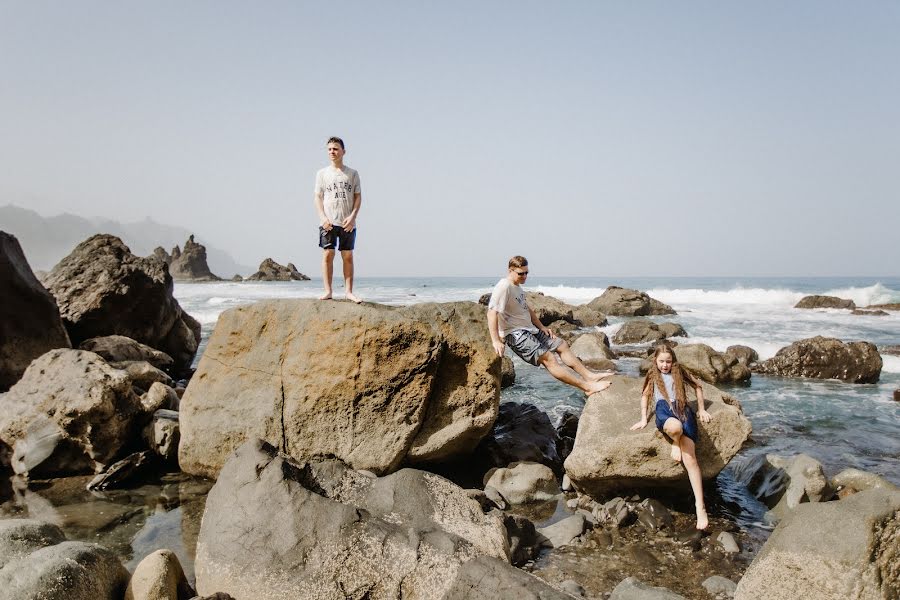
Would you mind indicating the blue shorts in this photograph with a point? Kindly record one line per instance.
(688, 424)
(336, 237)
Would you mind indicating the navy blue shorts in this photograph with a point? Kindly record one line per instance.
(336, 238)
(688, 424)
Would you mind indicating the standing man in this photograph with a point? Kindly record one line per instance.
(338, 197)
(512, 321)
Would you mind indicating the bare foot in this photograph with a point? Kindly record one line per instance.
(325, 296)
(352, 297)
(600, 375)
(702, 519)
(597, 386)
(676, 453)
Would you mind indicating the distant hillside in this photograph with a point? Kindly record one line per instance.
(46, 240)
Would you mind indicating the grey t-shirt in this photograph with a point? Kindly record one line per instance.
(508, 299)
(338, 188)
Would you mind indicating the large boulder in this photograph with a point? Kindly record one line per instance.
(639, 331)
(825, 358)
(118, 348)
(70, 413)
(37, 563)
(609, 457)
(372, 385)
(825, 302)
(190, 264)
(594, 351)
(549, 309)
(589, 317)
(269, 270)
(744, 355)
(707, 364)
(30, 324)
(103, 289)
(782, 484)
(274, 528)
(622, 302)
(844, 550)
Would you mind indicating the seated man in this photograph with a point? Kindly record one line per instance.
(510, 320)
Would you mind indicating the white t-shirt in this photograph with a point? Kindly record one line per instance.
(338, 188)
(508, 299)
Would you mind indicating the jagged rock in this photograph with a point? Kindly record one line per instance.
(608, 456)
(744, 355)
(825, 358)
(507, 372)
(237, 278)
(118, 348)
(191, 264)
(566, 430)
(523, 482)
(763, 479)
(623, 302)
(269, 270)
(103, 289)
(36, 563)
(831, 551)
(825, 302)
(419, 384)
(160, 254)
(274, 528)
(707, 364)
(30, 324)
(639, 331)
(159, 576)
(70, 413)
(564, 329)
(522, 433)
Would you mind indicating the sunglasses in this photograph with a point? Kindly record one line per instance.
(521, 273)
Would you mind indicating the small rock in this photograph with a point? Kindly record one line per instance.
(563, 533)
(117, 473)
(727, 543)
(720, 585)
(572, 587)
(523, 482)
(159, 576)
(633, 589)
(495, 497)
(566, 483)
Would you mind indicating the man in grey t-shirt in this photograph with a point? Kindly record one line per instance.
(512, 322)
(338, 196)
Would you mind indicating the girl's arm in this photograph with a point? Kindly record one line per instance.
(701, 403)
(645, 401)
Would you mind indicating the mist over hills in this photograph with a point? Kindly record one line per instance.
(46, 240)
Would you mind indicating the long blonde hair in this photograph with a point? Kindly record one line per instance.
(679, 376)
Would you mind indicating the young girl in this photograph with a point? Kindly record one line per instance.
(665, 383)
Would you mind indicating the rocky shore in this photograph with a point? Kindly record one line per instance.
(362, 451)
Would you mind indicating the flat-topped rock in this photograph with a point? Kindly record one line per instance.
(825, 358)
(608, 456)
(825, 302)
(269, 270)
(623, 302)
(639, 331)
(370, 384)
(30, 324)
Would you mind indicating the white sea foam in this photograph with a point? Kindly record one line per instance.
(570, 294)
(874, 294)
(891, 364)
(733, 297)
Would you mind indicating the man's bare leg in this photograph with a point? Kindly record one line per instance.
(567, 375)
(347, 258)
(568, 357)
(327, 273)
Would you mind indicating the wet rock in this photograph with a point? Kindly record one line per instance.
(523, 482)
(707, 364)
(160, 396)
(522, 433)
(564, 532)
(419, 384)
(159, 576)
(868, 313)
(615, 512)
(638, 331)
(131, 468)
(30, 324)
(782, 484)
(622, 302)
(191, 265)
(744, 355)
(825, 302)
(121, 349)
(269, 270)
(103, 289)
(831, 550)
(719, 585)
(653, 515)
(633, 589)
(593, 350)
(507, 372)
(70, 413)
(855, 480)
(763, 478)
(162, 434)
(825, 358)
(524, 542)
(727, 543)
(888, 306)
(608, 456)
(327, 529)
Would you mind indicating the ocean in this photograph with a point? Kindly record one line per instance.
(840, 424)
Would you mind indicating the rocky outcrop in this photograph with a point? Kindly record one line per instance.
(859, 312)
(744, 355)
(888, 306)
(639, 331)
(36, 562)
(103, 289)
(30, 324)
(594, 351)
(160, 254)
(522, 432)
(608, 456)
(622, 302)
(849, 549)
(118, 348)
(269, 270)
(707, 364)
(589, 317)
(274, 528)
(825, 302)
(190, 264)
(549, 309)
(825, 358)
(70, 413)
(370, 384)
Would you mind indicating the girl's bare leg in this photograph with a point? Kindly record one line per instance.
(689, 458)
(672, 428)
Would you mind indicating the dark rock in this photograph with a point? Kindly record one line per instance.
(124, 471)
(889, 306)
(825, 302)
(892, 350)
(522, 432)
(118, 348)
(103, 289)
(269, 270)
(160, 254)
(897, 395)
(566, 430)
(868, 313)
(191, 264)
(142, 374)
(237, 278)
(825, 358)
(763, 479)
(744, 355)
(30, 324)
(643, 557)
(524, 542)
(507, 373)
(549, 309)
(623, 302)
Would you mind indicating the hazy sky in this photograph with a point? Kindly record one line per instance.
(627, 138)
